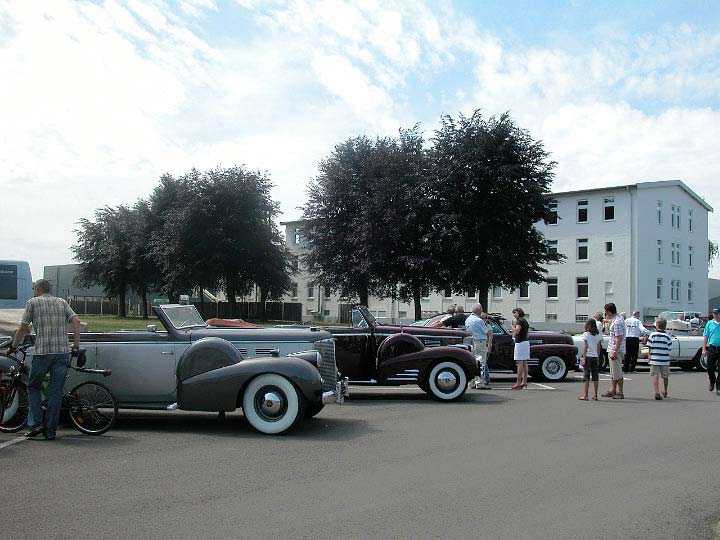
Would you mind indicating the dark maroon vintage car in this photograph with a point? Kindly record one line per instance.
(552, 354)
(438, 360)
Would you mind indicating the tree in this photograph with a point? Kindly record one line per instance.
(339, 231)
(144, 268)
(402, 218)
(103, 251)
(712, 252)
(491, 185)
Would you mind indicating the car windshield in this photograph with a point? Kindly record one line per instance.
(183, 316)
(361, 318)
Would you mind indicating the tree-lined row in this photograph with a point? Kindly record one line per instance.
(391, 216)
(204, 230)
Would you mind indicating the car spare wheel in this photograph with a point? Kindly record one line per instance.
(272, 404)
(446, 381)
(553, 368)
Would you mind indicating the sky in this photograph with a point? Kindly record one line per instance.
(98, 99)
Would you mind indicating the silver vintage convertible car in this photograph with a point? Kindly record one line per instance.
(277, 375)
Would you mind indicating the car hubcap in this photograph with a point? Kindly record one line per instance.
(271, 403)
(447, 381)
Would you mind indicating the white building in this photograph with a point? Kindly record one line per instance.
(642, 246)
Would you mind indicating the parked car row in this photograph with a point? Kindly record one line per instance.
(279, 376)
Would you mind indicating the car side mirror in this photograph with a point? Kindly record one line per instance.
(151, 327)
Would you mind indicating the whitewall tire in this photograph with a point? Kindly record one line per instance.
(446, 381)
(272, 405)
(553, 368)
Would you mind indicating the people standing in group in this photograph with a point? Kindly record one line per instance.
(659, 345)
(50, 317)
(482, 344)
(592, 351)
(521, 355)
(598, 317)
(616, 351)
(633, 330)
(711, 348)
(458, 319)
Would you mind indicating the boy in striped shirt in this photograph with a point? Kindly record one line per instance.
(660, 345)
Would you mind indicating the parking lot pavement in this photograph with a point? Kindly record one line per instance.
(390, 463)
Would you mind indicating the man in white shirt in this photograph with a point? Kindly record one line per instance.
(482, 344)
(633, 330)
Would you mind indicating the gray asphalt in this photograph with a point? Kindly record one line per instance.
(529, 464)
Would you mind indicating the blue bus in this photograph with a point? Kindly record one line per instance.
(16, 285)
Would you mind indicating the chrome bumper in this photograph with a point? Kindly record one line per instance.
(339, 394)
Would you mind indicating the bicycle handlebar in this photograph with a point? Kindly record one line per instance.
(103, 372)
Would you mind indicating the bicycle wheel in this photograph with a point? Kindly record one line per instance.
(17, 409)
(93, 408)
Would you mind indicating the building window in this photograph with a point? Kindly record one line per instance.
(471, 295)
(582, 249)
(552, 287)
(582, 211)
(447, 293)
(608, 247)
(690, 224)
(327, 292)
(552, 246)
(608, 287)
(295, 263)
(690, 292)
(297, 236)
(675, 217)
(425, 292)
(690, 256)
(311, 289)
(553, 218)
(549, 317)
(659, 251)
(675, 290)
(326, 312)
(524, 291)
(609, 209)
(293, 290)
(675, 253)
(582, 287)
(659, 212)
(497, 292)
(581, 318)
(658, 288)
(402, 314)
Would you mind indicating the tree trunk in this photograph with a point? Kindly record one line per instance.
(144, 303)
(263, 299)
(230, 292)
(417, 299)
(122, 308)
(483, 295)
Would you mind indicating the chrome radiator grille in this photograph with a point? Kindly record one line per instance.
(328, 368)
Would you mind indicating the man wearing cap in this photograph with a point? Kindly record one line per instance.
(711, 348)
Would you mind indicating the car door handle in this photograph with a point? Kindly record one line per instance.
(166, 352)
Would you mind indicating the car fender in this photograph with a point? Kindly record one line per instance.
(221, 389)
(422, 360)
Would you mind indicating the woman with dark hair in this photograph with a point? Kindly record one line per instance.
(592, 349)
(520, 329)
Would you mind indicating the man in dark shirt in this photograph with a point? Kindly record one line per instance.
(457, 320)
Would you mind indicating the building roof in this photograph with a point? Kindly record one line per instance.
(644, 185)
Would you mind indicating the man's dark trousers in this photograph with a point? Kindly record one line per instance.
(713, 359)
(632, 348)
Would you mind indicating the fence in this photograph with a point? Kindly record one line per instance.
(94, 307)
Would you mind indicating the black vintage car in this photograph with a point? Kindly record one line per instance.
(438, 360)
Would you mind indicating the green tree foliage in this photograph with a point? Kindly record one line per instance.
(491, 185)
(339, 232)
(103, 250)
(712, 252)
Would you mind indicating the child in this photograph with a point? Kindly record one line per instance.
(660, 345)
(592, 349)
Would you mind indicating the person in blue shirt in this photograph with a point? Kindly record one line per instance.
(711, 348)
(482, 344)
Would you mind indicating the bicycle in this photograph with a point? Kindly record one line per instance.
(91, 405)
